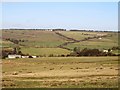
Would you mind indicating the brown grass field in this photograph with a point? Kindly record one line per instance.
(62, 72)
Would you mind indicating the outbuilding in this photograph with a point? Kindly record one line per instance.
(34, 56)
(25, 56)
(14, 56)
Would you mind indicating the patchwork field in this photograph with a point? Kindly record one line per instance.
(50, 70)
(34, 38)
(98, 44)
(47, 39)
(103, 43)
(81, 35)
(70, 72)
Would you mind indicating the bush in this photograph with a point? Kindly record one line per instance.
(51, 55)
(30, 57)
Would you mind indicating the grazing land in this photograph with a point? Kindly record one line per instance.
(53, 68)
(104, 43)
(45, 51)
(63, 72)
(96, 43)
(49, 39)
(34, 38)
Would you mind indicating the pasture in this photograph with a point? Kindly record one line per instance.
(59, 72)
(46, 39)
(34, 38)
(45, 51)
(81, 35)
(98, 44)
(62, 72)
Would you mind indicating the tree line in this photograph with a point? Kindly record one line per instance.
(15, 41)
(91, 52)
(75, 53)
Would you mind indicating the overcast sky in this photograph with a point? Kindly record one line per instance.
(68, 15)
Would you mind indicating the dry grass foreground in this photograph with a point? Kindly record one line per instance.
(61, 72)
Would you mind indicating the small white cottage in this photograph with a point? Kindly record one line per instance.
(25, 56)
(14, 56)
(99, 38)
(34, 56)
(105, 51)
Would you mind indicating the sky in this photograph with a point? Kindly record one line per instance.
(67, 15)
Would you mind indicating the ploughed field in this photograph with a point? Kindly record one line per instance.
(60, 72)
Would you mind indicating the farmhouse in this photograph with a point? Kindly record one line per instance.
(14, 56)
(19, 56)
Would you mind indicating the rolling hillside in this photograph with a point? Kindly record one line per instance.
(45, 42)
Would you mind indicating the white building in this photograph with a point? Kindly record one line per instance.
(25, 56)
(14, 56)
(105, 50)
(34, 56)
(99, 38)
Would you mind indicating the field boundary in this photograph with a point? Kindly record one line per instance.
(75, 41)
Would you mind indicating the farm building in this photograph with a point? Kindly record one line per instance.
(100, 38)
(14, 56)
(34, 56)
(19, 56)
(105, 50)
(25, 56)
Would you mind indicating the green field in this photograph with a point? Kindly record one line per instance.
(7, 44)
(47, 39)
(45, 51)
(62, 72)
(103, 43)
(98, 44)
(81, 35)
(34, 38)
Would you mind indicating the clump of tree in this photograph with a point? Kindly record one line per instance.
(15, 41)
(17, 51)
(51, 55)
(116, 48)
(5, 53)
(59, 29)
(90, 52)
